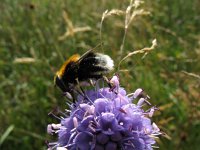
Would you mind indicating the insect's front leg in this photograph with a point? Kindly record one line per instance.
(111, 85)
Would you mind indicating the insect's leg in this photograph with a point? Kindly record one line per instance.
(82, 91)
(92, 83)
(73, 95)
(110, 84)
(79, 89)
(69, 97)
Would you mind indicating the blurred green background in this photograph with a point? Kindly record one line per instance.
(34, 29)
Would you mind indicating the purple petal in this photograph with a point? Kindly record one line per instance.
(63, 137)
(126, 122)
(131, 109)
(137, 122)
(151, 112)
(139, 144)
(137, 93)
(85, 123)
(122, 91)
(140, 102)
(117, 136)
(147, 125)
(135, 144)
(102, 138)
(115, 82)
(102, 105)
(155, 128)
(119, 102)
(68, 123)
(85, 107)
(108, 123)
(111, 146)
(105, 92)
(99, 147)
(83, 141)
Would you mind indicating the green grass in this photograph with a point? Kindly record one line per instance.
(32, 28)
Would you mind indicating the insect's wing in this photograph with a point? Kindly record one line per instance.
(85, 55)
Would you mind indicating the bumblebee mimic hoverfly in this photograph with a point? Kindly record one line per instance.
(77, 69)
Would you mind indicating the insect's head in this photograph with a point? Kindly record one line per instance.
(59, 82)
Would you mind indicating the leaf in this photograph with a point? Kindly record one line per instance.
(6, 134)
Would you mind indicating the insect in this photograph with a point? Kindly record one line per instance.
(78, 68)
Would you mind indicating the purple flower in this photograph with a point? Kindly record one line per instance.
(107, 118)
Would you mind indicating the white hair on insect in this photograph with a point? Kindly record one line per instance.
(105, 61)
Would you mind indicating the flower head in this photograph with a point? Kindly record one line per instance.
(107, 118)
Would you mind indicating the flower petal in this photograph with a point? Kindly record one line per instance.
(111, 146)
(102, 138)
(102, 105)
(83, 141)
(108, 123)
(85, 123)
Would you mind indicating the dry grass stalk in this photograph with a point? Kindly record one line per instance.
(130, 13)
(24, 60)
(107, 14)
(191, 74)
(70, 29)
(145, 50)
